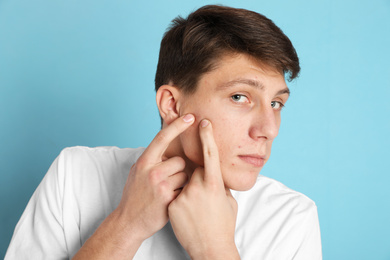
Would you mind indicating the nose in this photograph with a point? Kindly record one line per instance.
(265, 124)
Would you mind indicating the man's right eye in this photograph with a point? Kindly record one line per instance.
(238, 98)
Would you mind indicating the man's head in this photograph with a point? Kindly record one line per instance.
(226, 65)
(192, 46)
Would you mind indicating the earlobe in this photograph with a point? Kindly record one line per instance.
(166, 99)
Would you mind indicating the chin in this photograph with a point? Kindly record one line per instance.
(241, 181)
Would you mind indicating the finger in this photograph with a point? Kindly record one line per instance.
(160, 143)
(210, 151)
(196, 181)
(171, 166)
(178, 180)
(197, 176)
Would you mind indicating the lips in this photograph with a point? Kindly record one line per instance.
(253, 159)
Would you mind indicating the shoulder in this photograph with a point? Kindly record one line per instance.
(90, 183)
(272, 193)
(278, 191)
(271, 202)
(80, 166)
(101, 152)
(277, 222)
(81, 157)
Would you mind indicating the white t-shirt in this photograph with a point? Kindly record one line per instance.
(84, 185)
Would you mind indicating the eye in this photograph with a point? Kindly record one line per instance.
(238, 98)
(277, 105)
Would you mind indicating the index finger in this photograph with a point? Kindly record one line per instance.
(161, 141)
(210, 151)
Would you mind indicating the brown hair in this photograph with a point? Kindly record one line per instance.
(192, 46)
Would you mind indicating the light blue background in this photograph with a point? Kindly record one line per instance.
(82, 73)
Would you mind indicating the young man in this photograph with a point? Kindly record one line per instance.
(195, 191)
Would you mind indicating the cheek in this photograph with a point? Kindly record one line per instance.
(190, 139)
(192, 145)
(229, 132)
(228, 135)
(230, 138)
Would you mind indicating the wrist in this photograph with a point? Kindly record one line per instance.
(113, 239)
(127, 227)
(215, 252)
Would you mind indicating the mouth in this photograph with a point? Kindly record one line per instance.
(253, 159)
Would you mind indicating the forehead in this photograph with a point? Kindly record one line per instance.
(241, 69)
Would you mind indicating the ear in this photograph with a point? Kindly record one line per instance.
(167, 102)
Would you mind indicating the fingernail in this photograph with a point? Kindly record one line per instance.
(204, 123)
(188, 118)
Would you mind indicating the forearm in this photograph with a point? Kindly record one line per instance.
(114, 239)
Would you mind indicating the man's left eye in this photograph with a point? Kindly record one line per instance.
(277, 105)
(240, 98)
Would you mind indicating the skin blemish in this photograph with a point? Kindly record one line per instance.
(239, 146)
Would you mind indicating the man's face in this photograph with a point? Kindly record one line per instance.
(242, 98)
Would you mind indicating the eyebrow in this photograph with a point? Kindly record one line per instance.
(249, 82)
(253, 83)
(283, 91)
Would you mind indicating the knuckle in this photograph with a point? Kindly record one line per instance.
(163, 188)
(213, 185)
(161, 137)
(141, 163)
(154, 176)
(210, 151)
(164, 193)
(195, 189)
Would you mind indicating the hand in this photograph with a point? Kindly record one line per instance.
(203, 216)
(143, 210)
(154, 182)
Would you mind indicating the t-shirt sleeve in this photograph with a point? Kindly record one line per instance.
(310, 247)
(39, 233)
